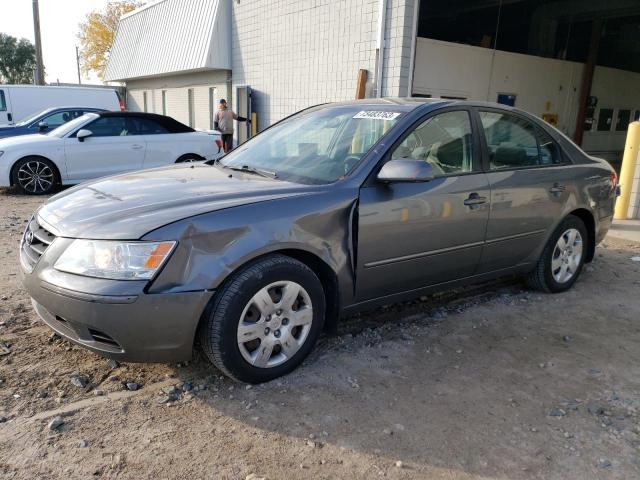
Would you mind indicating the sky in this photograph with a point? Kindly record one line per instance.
(59, 20)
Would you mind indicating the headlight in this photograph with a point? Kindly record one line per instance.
(1, 152)
(114, 259)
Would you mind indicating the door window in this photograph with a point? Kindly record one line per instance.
(549, 151)
(3, 104)
(444, 141)
(60, 118)
(511, 141)
(144, 126)
(109, 127)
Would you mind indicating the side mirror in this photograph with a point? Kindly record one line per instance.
(42, 126)
(82, 134)
(406, 170)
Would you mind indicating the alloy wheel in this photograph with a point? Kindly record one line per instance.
(274, 324)
(567, 255)
(35, 177)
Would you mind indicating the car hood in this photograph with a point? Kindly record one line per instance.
(22, 140)
(128, 206)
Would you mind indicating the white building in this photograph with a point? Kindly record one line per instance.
(550, 57)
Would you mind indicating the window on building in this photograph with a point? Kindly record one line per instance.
(605, 118)
(191, 107)
(213, 94)
(622, 123)
(511, 141)
(164, 102)
(144, 102)
(3, 104)
(444, 141)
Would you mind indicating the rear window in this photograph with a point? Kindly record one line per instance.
(3, 104)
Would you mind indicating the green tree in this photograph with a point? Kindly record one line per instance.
(17, 60)
(98, 32)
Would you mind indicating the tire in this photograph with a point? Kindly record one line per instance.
(35, 175)
(273, 345)
(189, 157)
(547, 276)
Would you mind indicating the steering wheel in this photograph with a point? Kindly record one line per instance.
(349, 162)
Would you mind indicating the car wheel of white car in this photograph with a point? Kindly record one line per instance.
(264, 320)
(35, 175)
(189, 157)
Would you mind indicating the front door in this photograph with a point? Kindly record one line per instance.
(530, 184)
(413, 235)
(112, 148)
(6, 118)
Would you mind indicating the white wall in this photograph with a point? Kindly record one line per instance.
(177, 96)
(298, 53)
(542, 85)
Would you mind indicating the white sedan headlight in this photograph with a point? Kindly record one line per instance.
(114, 259)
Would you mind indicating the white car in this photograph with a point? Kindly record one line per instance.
(99, 144)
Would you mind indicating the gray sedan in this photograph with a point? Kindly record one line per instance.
(339, 208)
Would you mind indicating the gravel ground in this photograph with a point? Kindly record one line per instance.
(491, 382)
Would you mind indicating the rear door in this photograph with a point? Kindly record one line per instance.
(6, 118)
(530, 183)
(112, 148)
(413, 235)
(161, 145)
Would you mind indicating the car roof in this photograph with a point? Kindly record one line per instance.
(171, 124)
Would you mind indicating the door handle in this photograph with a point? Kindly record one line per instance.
(136, 147)
(475, 199)
(557, 188)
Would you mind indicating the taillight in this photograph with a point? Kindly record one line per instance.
(219, 144)
(121, 105)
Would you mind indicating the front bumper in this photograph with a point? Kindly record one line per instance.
(116, 319)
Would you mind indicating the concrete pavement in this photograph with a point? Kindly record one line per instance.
(625, 230)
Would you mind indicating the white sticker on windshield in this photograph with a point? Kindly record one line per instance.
(377, 115)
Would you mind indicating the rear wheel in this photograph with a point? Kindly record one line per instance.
(563, 257)
(35, 175)
(265, 319)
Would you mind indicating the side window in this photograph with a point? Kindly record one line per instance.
(549, 151)
(444, 141)
(511, 141)
(3, 103)
(57, 119)
(145, 126)
(109, 127)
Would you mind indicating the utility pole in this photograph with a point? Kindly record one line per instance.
(78, 65)
(36, 31)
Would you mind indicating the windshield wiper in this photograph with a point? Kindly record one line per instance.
(254, 170)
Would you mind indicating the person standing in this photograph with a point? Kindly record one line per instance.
(223, 122)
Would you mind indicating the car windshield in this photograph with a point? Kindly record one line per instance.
(316, 146)
(31, 118)
(70, 126)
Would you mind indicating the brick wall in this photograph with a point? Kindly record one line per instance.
(297, 53)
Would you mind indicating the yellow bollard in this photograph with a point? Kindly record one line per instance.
(630, 161)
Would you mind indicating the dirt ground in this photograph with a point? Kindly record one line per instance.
(494, 382)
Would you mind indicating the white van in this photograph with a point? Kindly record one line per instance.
(19, 101)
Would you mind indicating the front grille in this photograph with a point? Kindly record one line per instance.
(35, 241)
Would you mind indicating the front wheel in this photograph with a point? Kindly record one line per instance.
(264, 320)
(562, 258)
(35, 175)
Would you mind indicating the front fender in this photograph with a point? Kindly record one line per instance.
(214, 245)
